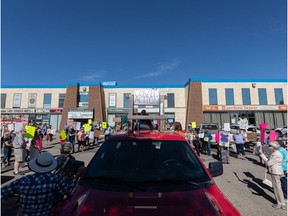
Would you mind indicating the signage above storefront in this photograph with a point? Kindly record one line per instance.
(244, 108)
(109, 83)
(17, 111)
(59, 110)
(118, 110)
(80, 114)
(43, 110)
(146, 97)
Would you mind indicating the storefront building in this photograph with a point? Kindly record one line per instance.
(249, 102)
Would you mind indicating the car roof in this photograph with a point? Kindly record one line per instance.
(146, 134)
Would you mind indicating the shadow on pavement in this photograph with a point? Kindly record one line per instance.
(254, 161)
(256, 190)
(6, 178)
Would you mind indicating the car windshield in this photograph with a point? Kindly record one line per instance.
(210, 127)
(146, 165)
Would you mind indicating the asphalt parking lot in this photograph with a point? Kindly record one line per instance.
(241, 183)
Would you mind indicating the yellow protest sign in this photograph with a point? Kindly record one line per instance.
(193, 124)
(30, 131)
(104, 125)
(86, 127)
(89, 121)
(63, 134)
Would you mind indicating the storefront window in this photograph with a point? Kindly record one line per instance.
(213, 96)
(170, 100)
(229, 93)
(61, 100)
(17, 100)
(262, 96)
(3, 100)
(278, 96)
(246, 100)
(126, 100)
(47, 100)
(83, 99)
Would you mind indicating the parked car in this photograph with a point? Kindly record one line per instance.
(233, 128)
(147, 173)
(281, 131)
(252, 128)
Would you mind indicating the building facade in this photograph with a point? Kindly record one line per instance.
(249, 102)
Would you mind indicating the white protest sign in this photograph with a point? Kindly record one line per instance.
(226, 126)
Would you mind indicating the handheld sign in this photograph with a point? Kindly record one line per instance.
(104, 125)
(193, 124)
(30, 131)
(86, 127)
(63, 134)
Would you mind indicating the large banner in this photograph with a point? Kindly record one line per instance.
(146, 97)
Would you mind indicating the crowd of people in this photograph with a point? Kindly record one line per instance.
(64, 165)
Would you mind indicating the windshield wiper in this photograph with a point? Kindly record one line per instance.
(115, 181)
(185, 181)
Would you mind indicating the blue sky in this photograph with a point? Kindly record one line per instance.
(141, 41)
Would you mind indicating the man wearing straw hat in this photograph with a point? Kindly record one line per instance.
(274, 164)
(41, 192)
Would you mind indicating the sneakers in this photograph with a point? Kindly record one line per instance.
(17, 173)
(278, 206)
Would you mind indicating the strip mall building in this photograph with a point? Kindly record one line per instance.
(198, 100)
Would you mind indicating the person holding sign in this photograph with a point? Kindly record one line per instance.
(20, 152)
(239, 141)
(206, 142)
(81, 140)
(274, 164)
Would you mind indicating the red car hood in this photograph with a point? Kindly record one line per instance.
(87, 201)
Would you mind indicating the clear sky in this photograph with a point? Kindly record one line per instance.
(141, 41)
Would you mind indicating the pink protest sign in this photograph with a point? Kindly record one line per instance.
(217, 137)
(273, 136)
(262, 131)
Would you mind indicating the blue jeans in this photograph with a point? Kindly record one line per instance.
(209, 148)
(7, 155)
(284, 185)
(95, 141)
(72, 141)
(240, 148)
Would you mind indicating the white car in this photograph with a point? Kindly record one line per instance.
(281, 131)
(252, 128)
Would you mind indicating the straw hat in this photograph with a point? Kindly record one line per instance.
(43, 163)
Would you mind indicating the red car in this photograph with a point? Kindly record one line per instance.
(154, 173)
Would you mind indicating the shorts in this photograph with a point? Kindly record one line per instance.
(19, 155)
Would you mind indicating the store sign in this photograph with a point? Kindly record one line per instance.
(80, 114)
(56, 110)
(43, 110)
(32, 100)
(244, 108)
(17, 111)
(118, 110)
(109, 83)
(146, 97)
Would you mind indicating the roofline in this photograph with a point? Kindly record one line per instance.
(33, 86)
(145, 86)
(235, 80)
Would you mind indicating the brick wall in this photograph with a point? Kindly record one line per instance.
(71, 102)
(97, 102)
(194, 103)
